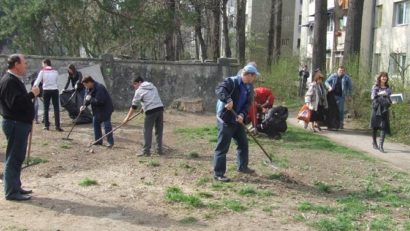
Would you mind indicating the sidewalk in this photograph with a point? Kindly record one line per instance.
(398, 155)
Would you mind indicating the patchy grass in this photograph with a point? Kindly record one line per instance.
(247, 191)
(350, 212)
(206, 133)
(65, 146)
(297, 138)
(323, 187)
(88, 182)
(234, 205)
(153, 163)
(205, 194)
(35, 160)
(175, 194)
(193, 155)
(188, 220)
(203, 181)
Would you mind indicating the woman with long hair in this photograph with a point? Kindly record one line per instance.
(316, 99)
(380, 109)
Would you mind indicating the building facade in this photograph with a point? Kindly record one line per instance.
(385, 42)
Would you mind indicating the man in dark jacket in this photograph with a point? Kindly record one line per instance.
(234, 98)
(97, 96)
(17, 109)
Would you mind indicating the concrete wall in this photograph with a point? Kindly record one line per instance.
(173, 79)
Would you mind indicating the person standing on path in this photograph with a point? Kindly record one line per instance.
(17, 109)
(234, 98)
(49, 77)
(380, 109)
(341, 85)
(97, 96)
(316, 99)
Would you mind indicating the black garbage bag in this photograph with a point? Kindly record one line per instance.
(274, 123)
(72, 100)
(332, 120)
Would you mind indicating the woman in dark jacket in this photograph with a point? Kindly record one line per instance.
(380, 109)
(75, 77)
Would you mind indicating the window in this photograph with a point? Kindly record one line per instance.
(397, 62)
(379, 16)
(330, 23)
(376, 63)
(402, 13)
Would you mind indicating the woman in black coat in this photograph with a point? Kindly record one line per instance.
(380, 109)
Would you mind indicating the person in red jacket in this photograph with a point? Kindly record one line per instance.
(262, 101)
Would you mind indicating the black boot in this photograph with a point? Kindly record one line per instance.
(374, 139)
(382, 135)
(381, 147)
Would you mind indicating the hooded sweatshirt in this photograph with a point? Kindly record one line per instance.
(148, 95)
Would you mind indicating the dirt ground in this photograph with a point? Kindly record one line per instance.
(130, 194)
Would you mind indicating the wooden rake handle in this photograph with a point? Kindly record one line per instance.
(113, 130)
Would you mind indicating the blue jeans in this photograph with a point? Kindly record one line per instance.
(340, 101)
(17, 135)
(225, 133)
(107, 129)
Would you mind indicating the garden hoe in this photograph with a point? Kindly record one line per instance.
(113, 130)
(75, 123)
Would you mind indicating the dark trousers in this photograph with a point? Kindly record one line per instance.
(107, 129)
(225, 133)
(17, 135)
(53, 96)
(154, 119)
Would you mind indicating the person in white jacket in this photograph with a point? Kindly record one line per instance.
(147, 94)
(49, 77)
(316, 99)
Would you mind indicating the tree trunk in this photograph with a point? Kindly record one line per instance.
(319, 36)
(198, 32)
(228, 52)
(278, 29)
(271, 34)
(353, 29)
(240, 30)
(169, 41)
(216, 30)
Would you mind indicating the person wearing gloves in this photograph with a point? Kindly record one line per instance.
(380, 109)
(234, 98)
(101, 104)
(49, 77)
(147, 94)
(75, 78)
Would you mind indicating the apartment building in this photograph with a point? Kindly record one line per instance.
(385, 42)
(391, 41)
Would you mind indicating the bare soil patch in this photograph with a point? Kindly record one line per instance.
(131, 192)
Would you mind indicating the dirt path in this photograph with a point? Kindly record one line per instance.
(398, 155)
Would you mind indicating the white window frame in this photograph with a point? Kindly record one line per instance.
(406, 13)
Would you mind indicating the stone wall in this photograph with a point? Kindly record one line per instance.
(173, 79)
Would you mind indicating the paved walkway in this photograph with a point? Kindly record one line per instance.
(398, 155)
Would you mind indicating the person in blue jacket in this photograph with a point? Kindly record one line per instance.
(234, 98)
(97, 96)
(341, 85)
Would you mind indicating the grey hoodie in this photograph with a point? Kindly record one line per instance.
(148, 95)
